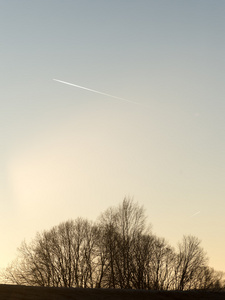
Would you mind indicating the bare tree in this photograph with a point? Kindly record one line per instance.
(61, 256)
(118, 251)
(141, 259)
(123, 227)
(107, 249)
(25, 270)
(161, 265)
(131, 224)
(207, 279)
(190, 259)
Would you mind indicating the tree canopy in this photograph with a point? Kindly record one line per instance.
(117, 251)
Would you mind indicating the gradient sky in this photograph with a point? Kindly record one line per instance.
(68, 153)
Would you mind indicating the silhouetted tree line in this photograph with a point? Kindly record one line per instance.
(117, 251)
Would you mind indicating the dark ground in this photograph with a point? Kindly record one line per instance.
(14, 292)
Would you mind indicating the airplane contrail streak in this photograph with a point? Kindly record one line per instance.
(195, 214)
(94, 91)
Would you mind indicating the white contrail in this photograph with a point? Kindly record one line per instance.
(94, 91)
(198, 212)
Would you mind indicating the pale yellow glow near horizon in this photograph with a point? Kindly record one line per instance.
(72, 176)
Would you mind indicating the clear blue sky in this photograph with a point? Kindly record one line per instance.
(66, 152)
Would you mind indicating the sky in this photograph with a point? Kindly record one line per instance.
(66, 152)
